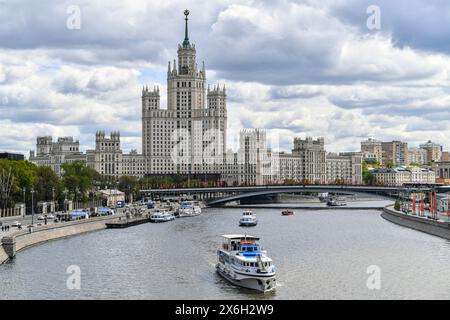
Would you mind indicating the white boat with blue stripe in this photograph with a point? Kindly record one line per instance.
(248, 219)
(244, 263)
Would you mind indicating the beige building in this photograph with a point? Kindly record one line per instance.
(442, 171)
(312, 157)
(54, 154)
(434, 151)
(395, 152)
(372, 150)
(190, 135)
(108, 159)
(401, 175)
(345, 168)
(417, 156)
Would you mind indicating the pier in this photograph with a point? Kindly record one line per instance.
(125, 223)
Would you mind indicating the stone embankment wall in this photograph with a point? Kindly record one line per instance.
(437, 228)
(23, 239)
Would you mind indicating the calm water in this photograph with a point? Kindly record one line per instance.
(319, 255)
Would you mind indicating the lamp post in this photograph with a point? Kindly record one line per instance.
(24, 202)
(53, 198)
(65, 199)
(32, 207)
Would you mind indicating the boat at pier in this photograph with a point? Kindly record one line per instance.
(244, 263)
(161, 216)
(189, 209)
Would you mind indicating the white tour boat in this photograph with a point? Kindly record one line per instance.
(244, 263)
(161, 216)
(189, 209)
(248, 219)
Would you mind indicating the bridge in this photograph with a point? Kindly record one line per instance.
(218, 196)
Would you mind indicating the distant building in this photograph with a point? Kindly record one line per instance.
(442, 171)
(189, 136)
(395, 152)
(109, 160)
(312, 157)
(345, 168)
(112, 196)
(253, 164)
(445, 156)
(417, 156)
(372, 150)
(401, 175)
(434, 151)
(12, 156)
(54, 154)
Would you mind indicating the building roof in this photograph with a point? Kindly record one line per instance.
(112, 192)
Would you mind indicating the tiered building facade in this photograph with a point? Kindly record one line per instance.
(189, 136)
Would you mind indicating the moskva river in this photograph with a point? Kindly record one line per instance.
(342, 254)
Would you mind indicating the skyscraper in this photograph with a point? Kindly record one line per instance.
(190, 135)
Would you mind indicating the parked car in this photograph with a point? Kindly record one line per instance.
(50, 216)
(41, 217)
(16, 224)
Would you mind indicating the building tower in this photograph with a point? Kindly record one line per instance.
(191, 132)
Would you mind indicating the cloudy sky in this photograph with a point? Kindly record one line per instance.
(299, 68)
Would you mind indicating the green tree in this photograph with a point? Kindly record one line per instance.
(129, 185)
(47, 184)
(80, 179)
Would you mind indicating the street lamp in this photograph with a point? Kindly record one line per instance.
(24, 202)
(65, 199)
(53, 198)
(32, 207)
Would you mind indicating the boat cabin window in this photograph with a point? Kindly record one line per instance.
(249, 248)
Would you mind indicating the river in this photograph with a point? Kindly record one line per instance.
(320, 254)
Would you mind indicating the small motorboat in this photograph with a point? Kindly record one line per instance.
(248, 219)
(287, 212)
(336, 203)
(161, 216)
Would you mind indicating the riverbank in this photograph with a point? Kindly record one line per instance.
(23, 239)
(436, 228)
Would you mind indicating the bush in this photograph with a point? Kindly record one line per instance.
(397, 205)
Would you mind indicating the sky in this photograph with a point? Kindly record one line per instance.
(331, 68)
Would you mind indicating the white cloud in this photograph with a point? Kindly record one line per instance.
(296, 67)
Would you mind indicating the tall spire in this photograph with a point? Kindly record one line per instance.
(186, 36)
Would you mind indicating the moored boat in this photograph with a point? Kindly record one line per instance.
(161, 216)
(189, 209)
(244, 263)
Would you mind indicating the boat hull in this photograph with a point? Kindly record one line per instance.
(189, 213)
(248, 224)
(261, 284)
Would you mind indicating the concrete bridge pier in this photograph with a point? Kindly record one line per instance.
(9, 245)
